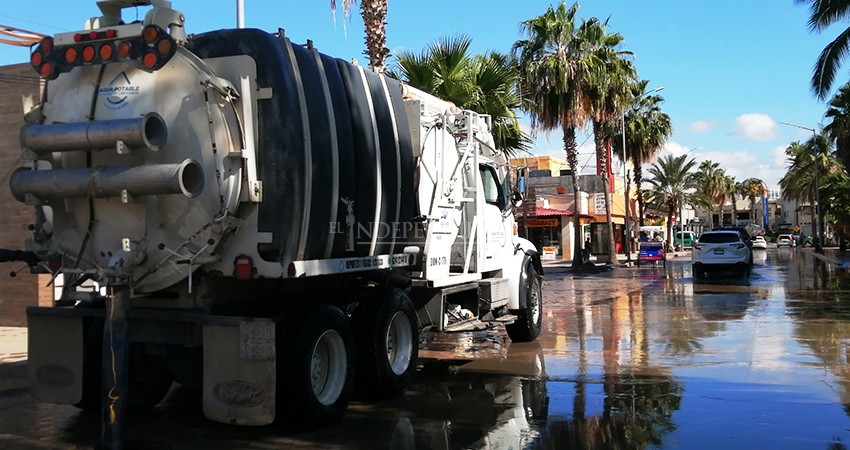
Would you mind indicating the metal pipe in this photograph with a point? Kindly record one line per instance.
(115, 367)
(185, 178)
(148, 131)
(240, 14)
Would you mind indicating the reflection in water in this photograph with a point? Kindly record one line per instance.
(616, 398)
(821, 308)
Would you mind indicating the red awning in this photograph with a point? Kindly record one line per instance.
(547, 212)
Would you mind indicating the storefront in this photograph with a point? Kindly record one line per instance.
(543, 229)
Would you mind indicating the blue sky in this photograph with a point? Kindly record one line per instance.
(730, 69)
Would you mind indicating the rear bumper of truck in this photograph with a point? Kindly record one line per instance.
(239, 359)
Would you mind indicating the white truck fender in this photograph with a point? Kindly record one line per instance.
(514, 270)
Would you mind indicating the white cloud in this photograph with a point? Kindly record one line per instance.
(676, 149)
(756, 127)
(747, 164)
(702, 126)
(778, 155)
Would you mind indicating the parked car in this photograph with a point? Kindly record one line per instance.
(721, 251)
(759, 242)
(785, 240)
(684, 239)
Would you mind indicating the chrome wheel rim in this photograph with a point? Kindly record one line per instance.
(328, 367)
(399, 343)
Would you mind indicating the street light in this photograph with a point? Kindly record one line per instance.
(819, 231)
(626, 187)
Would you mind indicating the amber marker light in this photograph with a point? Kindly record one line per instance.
(71, 55)
(149, 34)
(124, 49)
(106, 51)
(88, 53)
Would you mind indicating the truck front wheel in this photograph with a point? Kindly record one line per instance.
(317, 373)
(388, 344)
(530, 315)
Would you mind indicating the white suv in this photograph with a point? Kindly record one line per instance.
(786, 239)
(721, 250)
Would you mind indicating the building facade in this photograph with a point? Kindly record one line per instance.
(22, 290)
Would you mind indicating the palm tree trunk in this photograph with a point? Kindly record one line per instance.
(814, 216)
(604, 163)
(374, 13)
(752, 211)
(639, 190)
(668, 243)
(734, 211)
(571, 150)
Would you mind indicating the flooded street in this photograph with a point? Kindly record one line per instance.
(630, 358)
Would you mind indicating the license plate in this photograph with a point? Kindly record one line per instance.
(718, 251)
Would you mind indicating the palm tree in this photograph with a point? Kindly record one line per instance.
(374, 13)
(806, 161)
(835, 196)
(838, 129)
(486, 84)
(753, 188)
(609, 92)
(555, 65)
(823, 15)
(712, 182)
(672, 184)
(647, 129)
(733, 190)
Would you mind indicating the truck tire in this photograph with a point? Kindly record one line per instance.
(315, 368)
(148, 383)
(530, 315)
(388, 344)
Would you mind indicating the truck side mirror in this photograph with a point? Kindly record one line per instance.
(516, 199)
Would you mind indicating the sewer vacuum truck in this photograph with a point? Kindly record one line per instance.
(260, 221)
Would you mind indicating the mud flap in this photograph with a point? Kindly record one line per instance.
(239, 371)
(55, 366)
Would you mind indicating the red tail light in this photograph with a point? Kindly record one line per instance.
(149, 61)
(243, 268)
(152, 47)
(36, 59)
(47, 45)
(46, 70)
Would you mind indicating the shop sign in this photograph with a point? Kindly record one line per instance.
(549, 253)
(532, 222)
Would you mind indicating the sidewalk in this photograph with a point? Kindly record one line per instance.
(831, 255)
(622, 261)
(13, 344)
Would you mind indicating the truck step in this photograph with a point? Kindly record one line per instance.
(495, 291)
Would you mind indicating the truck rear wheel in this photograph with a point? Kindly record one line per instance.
(317, 371)
(388, 343)
(530, 315)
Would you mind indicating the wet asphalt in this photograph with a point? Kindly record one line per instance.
(630, 358)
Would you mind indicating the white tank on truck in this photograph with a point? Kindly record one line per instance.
(265, 222)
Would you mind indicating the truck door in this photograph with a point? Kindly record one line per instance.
(496, 226)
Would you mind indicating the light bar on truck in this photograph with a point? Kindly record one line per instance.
(152, 47)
